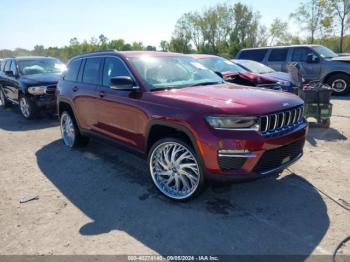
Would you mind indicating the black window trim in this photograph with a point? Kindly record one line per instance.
(278, 48)
(79, 69)
(99, 73)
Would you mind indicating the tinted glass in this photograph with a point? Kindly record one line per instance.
(92, 71)
(13, 67)
(222, 65)
(113, 67)
(174, 72)
(73, 70)
(278, 55)
(300, 54)
(7, 65)
(254, 54)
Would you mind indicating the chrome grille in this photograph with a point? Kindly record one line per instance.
(51, 90)
(279, 121)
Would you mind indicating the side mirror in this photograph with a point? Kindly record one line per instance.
(10, 73)
(312, 59)
(122, 83)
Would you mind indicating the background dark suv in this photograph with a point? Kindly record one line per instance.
(317, 63)
(187, 121)
(30, 82)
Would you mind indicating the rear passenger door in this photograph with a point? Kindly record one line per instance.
(309, 71)
(277, 59)
(85, 91)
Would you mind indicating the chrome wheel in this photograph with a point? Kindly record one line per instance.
(24, 107)
(67, 130)
(174, 170)
(339, 85)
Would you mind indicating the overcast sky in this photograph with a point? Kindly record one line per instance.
(53, 23)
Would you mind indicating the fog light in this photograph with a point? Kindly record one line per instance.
(236, 153)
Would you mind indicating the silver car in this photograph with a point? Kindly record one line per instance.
(317, 63)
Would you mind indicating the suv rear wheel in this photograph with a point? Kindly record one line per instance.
(340, 83)
(69, 131)
(175, 169)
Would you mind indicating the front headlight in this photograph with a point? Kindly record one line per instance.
(238, 123)
(37, 90)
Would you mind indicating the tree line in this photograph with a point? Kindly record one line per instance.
(226, 28)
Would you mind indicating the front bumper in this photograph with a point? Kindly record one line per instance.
(265, 155)
(44, 101)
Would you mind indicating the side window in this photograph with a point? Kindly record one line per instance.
(253, 54)
(278, 55)
(92, 71)
(73, 70)
(113, 67)
(13, 67)
(7, 65)
(300, 54)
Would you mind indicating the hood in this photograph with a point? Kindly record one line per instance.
(41, 79)
(254, 78)
(234, 99)
(341, 58)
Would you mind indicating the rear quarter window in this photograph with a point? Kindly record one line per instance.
(254, 54)
(73, 70)
(278, 55)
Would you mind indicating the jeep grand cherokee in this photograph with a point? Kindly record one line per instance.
(188, 122)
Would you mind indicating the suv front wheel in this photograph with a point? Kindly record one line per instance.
(175, 169)
(340, 83)
(28, 108)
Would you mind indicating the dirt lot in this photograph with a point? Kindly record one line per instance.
(100, 200)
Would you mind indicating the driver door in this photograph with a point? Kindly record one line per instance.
(309, 71)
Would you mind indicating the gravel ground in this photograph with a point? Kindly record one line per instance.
(100, 200)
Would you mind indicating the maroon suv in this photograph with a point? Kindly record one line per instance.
(188, 122)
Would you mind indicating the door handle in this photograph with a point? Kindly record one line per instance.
(75, 88)
(102, 94)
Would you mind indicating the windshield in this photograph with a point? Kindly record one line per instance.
(324, 52)
(173, 72)
(222, 65)
(40, 66)
(255, 67)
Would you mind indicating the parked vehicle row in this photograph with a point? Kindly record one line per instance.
(317, 63)
(30, 82)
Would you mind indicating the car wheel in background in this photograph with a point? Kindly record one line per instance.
(175, 169)
(69, 131)
(28, 108)
(3, 101)
(340, 83)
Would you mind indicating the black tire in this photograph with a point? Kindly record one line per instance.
(340, 83)
(27, 108)
(182, 144)
(77, 139)
(3, 101)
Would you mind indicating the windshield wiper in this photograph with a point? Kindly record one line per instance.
(208, 83)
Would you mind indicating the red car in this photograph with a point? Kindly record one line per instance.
(233, 73)
(188, 123)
